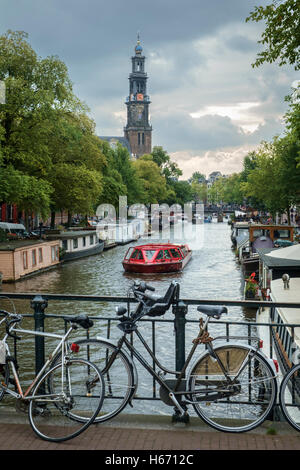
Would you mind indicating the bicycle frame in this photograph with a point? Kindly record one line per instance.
(175, 392)
(61, 345)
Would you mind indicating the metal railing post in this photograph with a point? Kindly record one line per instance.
(180, 310)
(39, 304)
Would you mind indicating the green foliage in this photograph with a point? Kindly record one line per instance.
(199, 192)
(281, 37)
(275, 179)
(48, 150)
(154, 184)
(3, 237)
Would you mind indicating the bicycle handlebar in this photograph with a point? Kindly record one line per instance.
(142, 286)
(14, 318)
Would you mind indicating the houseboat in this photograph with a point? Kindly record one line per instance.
(261, 237)
(121, 233)
(76, 244)
(276, 262)
(282, 341)
(157, 258)
(239, 230)
(21, 258)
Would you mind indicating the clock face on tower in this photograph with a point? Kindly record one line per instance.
(137, 112)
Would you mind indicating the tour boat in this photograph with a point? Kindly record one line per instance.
(157, 258)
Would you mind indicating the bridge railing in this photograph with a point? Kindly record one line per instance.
(178, 318)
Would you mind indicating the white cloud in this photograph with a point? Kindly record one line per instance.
(238, 113)
(227, 161)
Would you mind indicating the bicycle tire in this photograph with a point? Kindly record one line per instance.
(120, 380)
(55, 416)
(255, 389)
(289, 397)
(5, 372)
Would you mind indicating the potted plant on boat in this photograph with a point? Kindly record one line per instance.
(251, 287)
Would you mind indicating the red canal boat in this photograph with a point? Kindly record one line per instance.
(157, 258)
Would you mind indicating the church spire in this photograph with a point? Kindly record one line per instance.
(138, 130)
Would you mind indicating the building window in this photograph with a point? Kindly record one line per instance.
(91, 239)
(25, 261)
(143, 138)
(75, 243)
(33, 254)
(40, 255)
(139, 138)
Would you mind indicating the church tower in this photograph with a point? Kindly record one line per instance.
(138, 131)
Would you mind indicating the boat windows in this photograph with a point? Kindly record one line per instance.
(167, 254)
(160, 255)
(75, 243)
(284, 233)
(258, 233)
(175, 253)
(149, 253)
(91, 239)
(83, 241)
(184, 250)
(137, 254)
(65, 244)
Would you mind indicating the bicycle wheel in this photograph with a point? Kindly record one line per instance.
(289, 397)
(241, 403)
(119, 377)
(66, 400)
(5, 373)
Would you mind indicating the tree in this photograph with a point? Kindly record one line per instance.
(199, 191)
(275, 179)
(281, 36)
(216, 191)
(76, 188)
(198, 177)
(232, 193)
(154, 184)
(113, 185)
(124, 166)
(46, 137)
(73, 147)
(169, 169)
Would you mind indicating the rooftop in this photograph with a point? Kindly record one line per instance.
(13, 245)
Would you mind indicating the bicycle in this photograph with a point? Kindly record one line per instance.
(63, 400)
(232, 387)
(289, 396)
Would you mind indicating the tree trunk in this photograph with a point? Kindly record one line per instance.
(69, 219)
(289, 215)
(52, 223)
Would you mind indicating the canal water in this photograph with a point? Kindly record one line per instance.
(213, 273)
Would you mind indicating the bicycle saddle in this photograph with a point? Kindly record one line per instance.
(83, 320)
(212, 310)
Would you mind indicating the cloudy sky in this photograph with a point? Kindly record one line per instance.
(209, 107)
